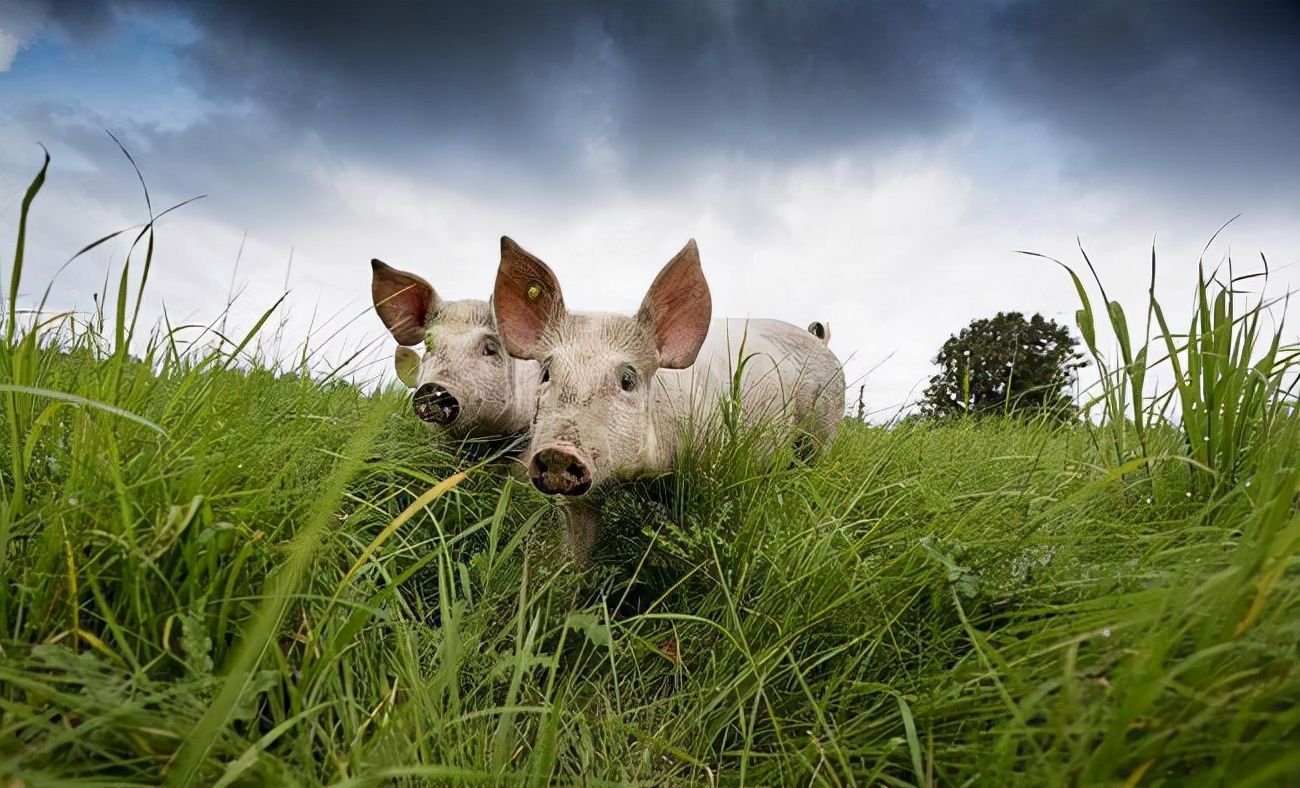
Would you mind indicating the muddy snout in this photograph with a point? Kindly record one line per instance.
(435, 404)
(560, 470)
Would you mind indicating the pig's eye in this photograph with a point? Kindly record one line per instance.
(490, 348)
(627, 379)
(546, 373)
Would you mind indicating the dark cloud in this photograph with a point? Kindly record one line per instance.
(550, 83)
(1176, 88)
(1120, 49)
(82, 20)
(524, 95)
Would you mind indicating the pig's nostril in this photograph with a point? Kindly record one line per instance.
(435, 404)
(557, 471)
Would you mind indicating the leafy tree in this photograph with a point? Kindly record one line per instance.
(1005, 364)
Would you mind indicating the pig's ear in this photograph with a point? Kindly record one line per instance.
(405, 302)
(677, 309)
(525, 300)
(407, 364)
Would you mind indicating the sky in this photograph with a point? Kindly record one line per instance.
(874, 166)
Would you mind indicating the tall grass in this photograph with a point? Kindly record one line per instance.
(1233, 378)
(216, 573)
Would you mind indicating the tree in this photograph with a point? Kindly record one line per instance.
(1005, 364)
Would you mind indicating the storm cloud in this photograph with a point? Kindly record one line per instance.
(552, 84)
(555, 83)
(560, 89)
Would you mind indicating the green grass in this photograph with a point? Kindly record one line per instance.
(219, 571)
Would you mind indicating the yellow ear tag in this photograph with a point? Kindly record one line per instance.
(534, 292)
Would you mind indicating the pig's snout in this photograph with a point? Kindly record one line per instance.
(435, 404)
(560, 470)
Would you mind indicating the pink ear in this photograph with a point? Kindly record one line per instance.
(405, 302)
(525, 299)
(678, 308)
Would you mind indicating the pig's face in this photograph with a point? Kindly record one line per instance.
(594, 408)
(465, 382)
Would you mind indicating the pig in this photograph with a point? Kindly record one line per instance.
(465, 384)
(618, 393)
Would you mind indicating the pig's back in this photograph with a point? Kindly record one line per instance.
(788, 376)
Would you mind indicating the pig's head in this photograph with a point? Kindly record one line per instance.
(465, 382)
(594, 408)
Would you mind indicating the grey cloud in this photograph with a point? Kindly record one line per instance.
(82, 20)
(1164, 86)
(540, 84)
(1197, 91)
(240, 162)
(524, 98)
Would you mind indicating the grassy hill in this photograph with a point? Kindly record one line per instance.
(218, 573)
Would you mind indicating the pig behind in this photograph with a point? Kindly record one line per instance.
(465, 383)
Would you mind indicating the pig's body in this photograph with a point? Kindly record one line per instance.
(790, 383)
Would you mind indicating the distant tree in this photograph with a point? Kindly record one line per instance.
(1005, 364)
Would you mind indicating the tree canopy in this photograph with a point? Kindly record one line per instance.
(1005, 364)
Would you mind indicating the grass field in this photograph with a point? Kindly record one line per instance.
(216, 572)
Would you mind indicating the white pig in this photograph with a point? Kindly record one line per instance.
(618, 392)
(465, 383)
